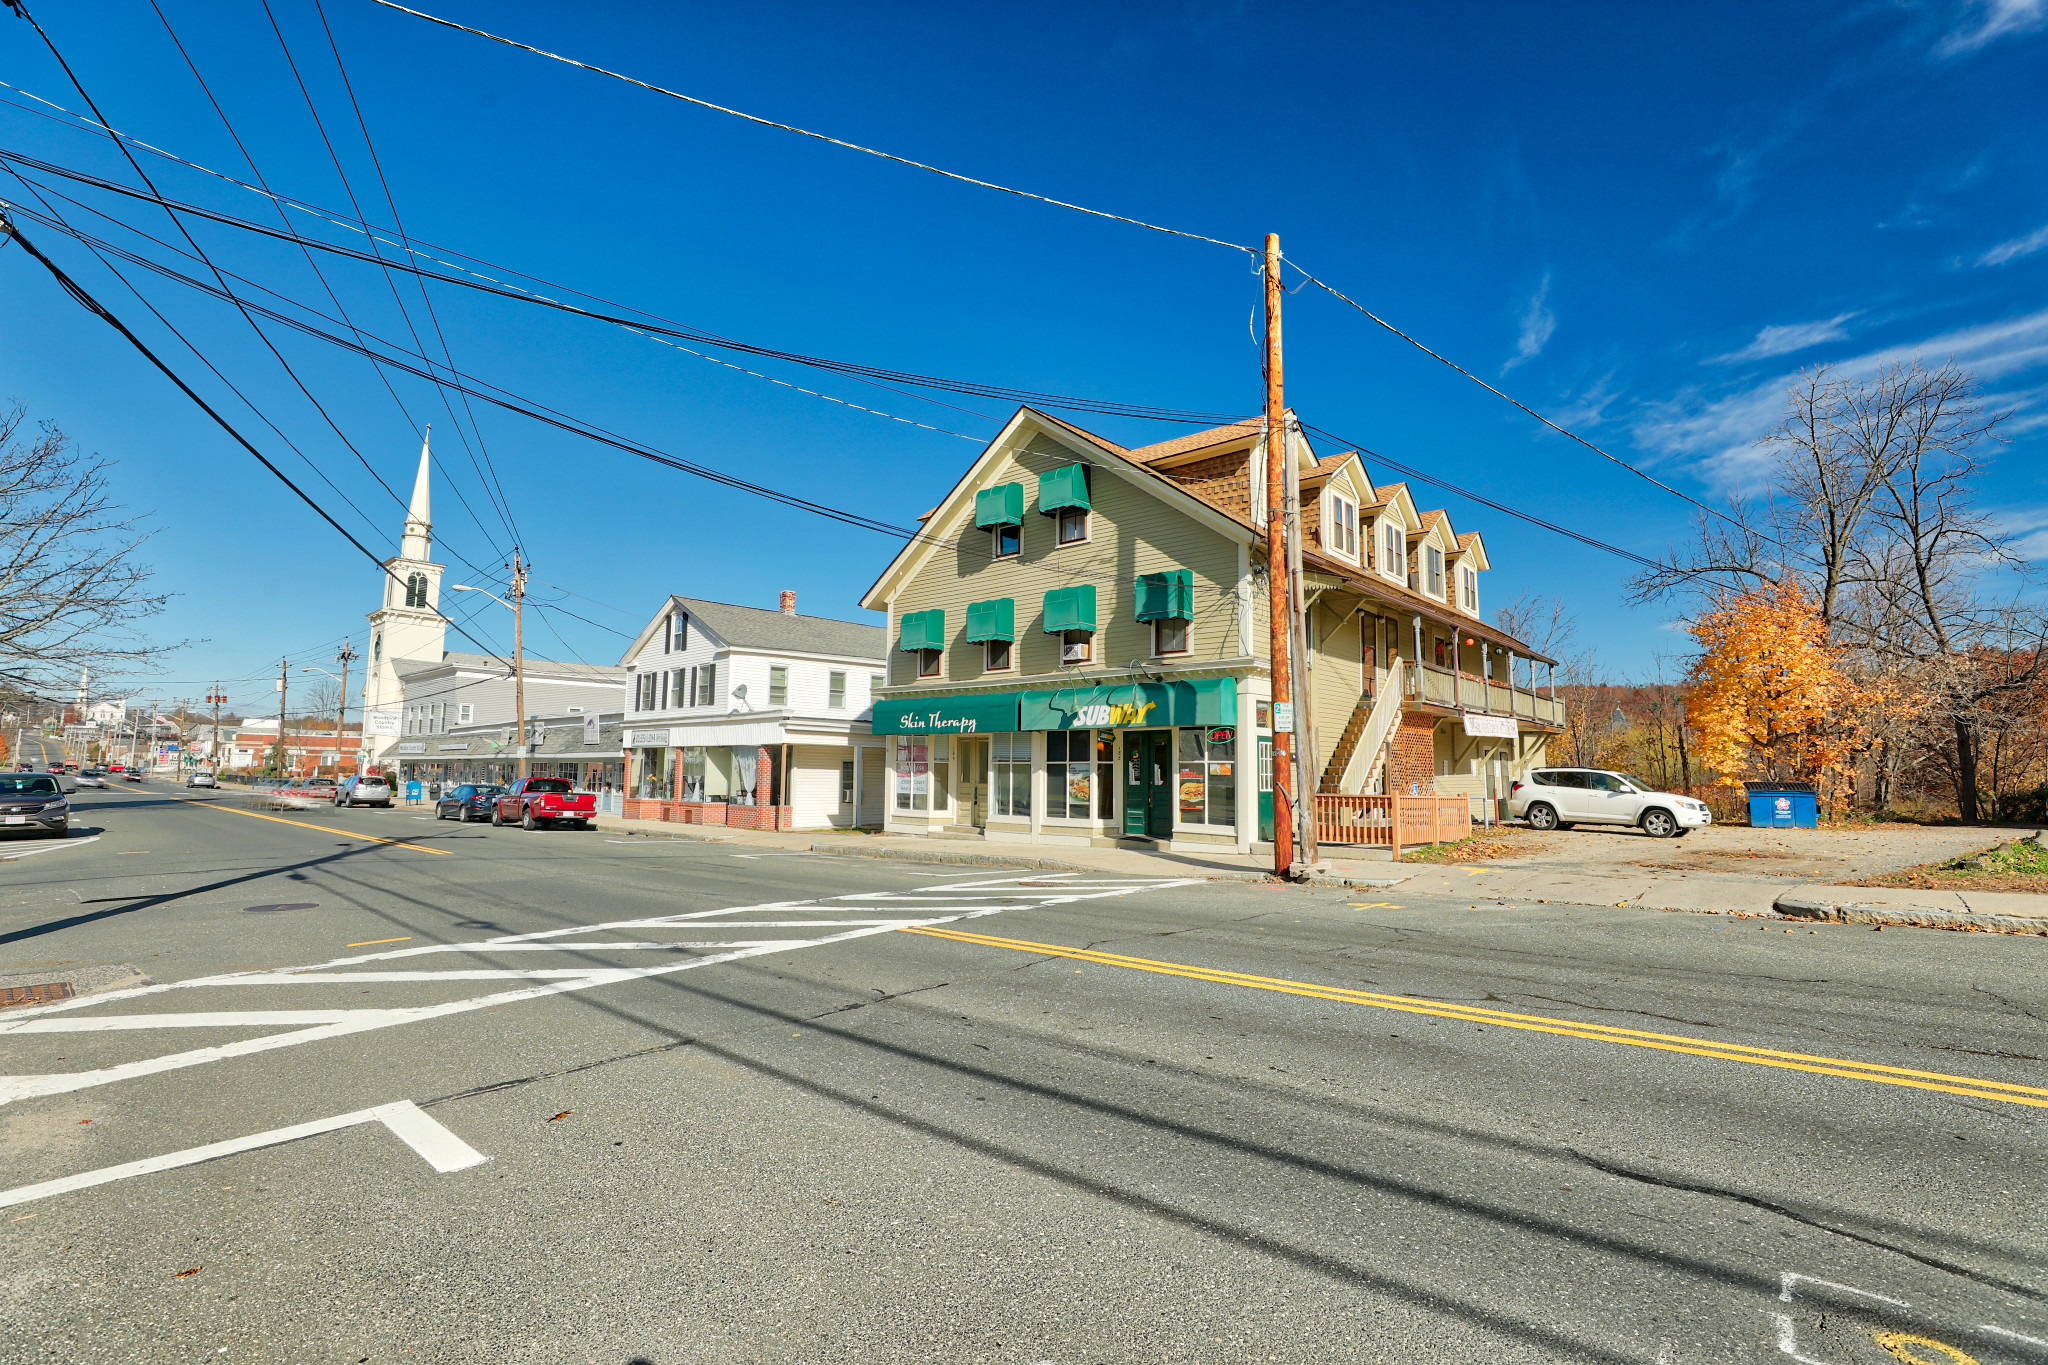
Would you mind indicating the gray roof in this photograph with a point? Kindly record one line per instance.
(761, 628)
(408, 668)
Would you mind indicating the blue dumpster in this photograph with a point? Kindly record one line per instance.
(1783, 805)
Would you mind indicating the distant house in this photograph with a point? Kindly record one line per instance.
(751, 717)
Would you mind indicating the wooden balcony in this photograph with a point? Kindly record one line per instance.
(1452, 690)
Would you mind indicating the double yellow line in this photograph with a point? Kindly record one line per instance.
(324, 829)
(1972, 1086)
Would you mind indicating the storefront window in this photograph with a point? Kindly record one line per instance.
(1207, 777)
(654, 776)
(1010, 773)
(913, 774)
(693, 774)
(1069, 774)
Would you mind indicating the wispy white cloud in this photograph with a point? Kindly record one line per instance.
(1588, 409)
(1787, 338)
(1984, 22)
(1538, 322)
(2028, 527)
(2016, 248)
(1719, 432)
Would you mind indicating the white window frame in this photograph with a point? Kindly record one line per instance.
(995, 542)
(1394, 562)
(778, 673)
(1340, 526)
(1059, 527)
(835, 691)
(1186, 637)
(707, 676)
(1433, 572)
(1468, 586)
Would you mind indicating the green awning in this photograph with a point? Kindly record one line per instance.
(1203, 701)
(1066, 486)
(1002, 505)
(923, 629)
(995, 619)
(980, 714)
(1166, 596)
(1070, 609)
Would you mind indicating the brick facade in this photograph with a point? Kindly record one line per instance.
(1413, 761)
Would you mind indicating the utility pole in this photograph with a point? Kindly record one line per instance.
(284, 671)
(1278, 612)
(216, 697)
(344, 656)
(519, 657)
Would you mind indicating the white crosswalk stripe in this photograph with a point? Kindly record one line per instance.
(686, 933)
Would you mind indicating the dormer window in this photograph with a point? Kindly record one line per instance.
(1433, 571)
(1468, 589)
(1340, 527)
(1395, 561)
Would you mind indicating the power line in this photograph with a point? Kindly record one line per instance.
(1000, 392)
(93, 306)
(822, 137)
(1647, 478)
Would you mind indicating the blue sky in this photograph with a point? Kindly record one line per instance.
(1639, 221)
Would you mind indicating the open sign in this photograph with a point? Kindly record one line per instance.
(1222, 734)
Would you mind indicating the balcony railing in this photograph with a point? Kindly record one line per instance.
(1459, 691)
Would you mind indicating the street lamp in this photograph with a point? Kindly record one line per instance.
(518, 647)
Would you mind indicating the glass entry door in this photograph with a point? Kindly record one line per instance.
(974, 782)
(1148, 783)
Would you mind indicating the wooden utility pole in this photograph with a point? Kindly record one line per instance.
(1279, 613)
(284, 672)
(216, 697)
(519, 657)
(344, 656)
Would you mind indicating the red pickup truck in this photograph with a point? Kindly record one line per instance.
(535, 801)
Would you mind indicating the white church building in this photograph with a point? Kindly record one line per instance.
(415, 688)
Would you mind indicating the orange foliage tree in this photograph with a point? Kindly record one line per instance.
(1767, 697)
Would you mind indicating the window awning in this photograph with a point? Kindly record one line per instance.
(995, 619)
(979, 714)
(1200, 701)
(1166, 596)
(1066, 486)
(1002, 505)
(1070, 608)
(923, 629)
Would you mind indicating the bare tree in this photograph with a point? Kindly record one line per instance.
(71, 592)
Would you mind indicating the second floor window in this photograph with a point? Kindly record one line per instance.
(1077, 646)
(835, 691)
(778, 685)
(1073, 525)
(463, 713)
(1169, 637)
(930, 662)
(704, 680)
(999, 657)
(1340, 532)
(1007, 540)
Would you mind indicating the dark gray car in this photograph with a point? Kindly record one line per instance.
(33, 803)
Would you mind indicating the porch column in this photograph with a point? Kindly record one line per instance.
(1486, 675)
(1418, 651)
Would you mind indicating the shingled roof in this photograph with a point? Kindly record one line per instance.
(765, 628)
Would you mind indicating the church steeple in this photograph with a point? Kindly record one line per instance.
(419, 519)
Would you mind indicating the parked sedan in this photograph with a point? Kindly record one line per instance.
(469, 802)
(33, 803)
(1558, 798)
(201, 780)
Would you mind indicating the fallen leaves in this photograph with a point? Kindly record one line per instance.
(193, 1271)
(559, 1117)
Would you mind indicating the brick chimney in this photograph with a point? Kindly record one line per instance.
(788, 602)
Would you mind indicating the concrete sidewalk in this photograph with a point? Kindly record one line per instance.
(1501, 882)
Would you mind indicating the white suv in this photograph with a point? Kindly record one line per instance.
(1558, 798)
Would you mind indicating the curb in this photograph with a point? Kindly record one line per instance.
(1851, 912)
(665, 837)
(920, 855)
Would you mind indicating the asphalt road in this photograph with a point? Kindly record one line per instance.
(679, 1103)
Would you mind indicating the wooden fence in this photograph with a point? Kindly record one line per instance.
(1394, 822)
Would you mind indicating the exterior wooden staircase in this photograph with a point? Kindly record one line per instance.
(1361, 751)
(1332, 780)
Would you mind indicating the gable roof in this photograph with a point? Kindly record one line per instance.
(769, 628)
(1193, 441)
(458, 659)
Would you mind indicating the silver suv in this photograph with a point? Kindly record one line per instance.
(1558, 798)
(363, 791)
